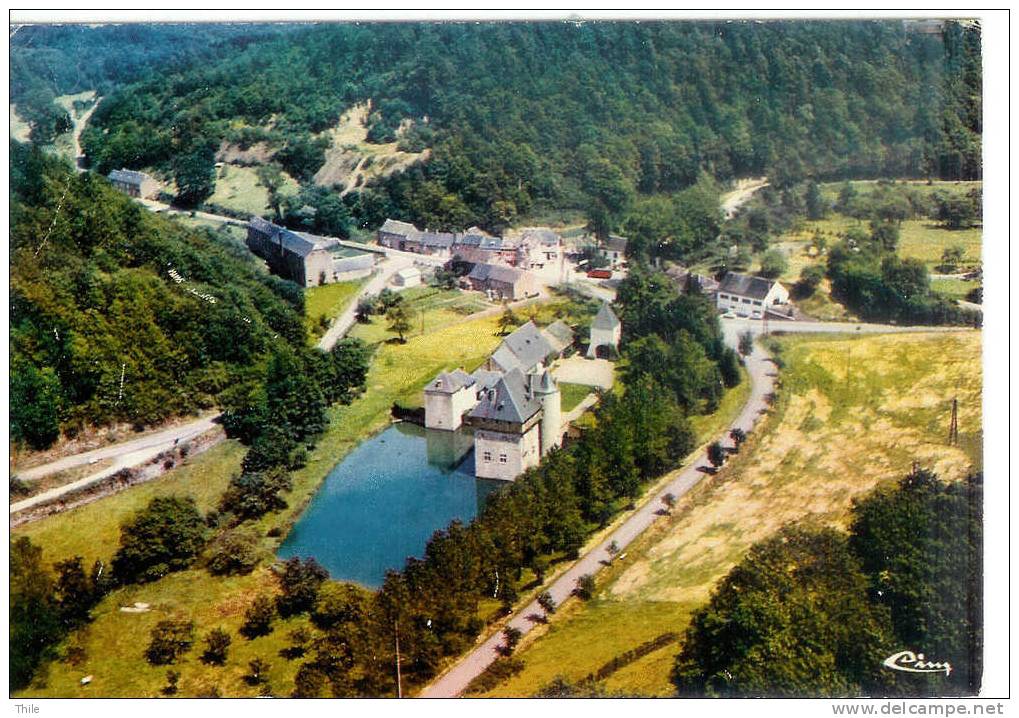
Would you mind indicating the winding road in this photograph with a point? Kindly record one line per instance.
(762, 373)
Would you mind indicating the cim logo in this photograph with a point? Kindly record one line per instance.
(910, 662)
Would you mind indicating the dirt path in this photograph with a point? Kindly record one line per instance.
(745, 189)
(79, 126)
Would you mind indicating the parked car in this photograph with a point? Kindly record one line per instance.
(600, 274)
(729, 315)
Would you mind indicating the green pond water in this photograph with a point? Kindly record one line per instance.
(385, 499)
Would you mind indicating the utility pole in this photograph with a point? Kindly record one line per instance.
(953, 427)
(399, 679)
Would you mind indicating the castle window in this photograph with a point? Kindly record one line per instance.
(502, 458)
(487, 456)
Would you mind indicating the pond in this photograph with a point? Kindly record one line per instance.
(386, 498)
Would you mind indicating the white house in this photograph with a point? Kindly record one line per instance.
(447, 398)
(606, 331)
(408, 277)
(749, 296)
(614, 249)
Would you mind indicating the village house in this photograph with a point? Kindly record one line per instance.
(306, 259)
(749, 296)
(684, 280)
(135, 184)
(606, 331)
(613, 248)
(501, 282)
(447, 398)
(527, 349)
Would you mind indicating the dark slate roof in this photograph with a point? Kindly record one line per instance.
(559, 335)
(484, 379)
(395, 226)
(436, 239)
(511, 399)
(481, 241)
(495, 272)
(128, 176)
(542, 235)
(605, 318)
(616, 244)
(291, 241)
(746, 286)
(450, 382)
(528, 345)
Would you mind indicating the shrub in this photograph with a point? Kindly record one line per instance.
(170, 639)
(300, 582)
(585, 587)
(234, 552)
(258, 618)
(216, 645)
(163, 537)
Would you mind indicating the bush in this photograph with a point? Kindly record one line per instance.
(253, 494)
(773, 264)
(216, 645)
(234, 552)
(258, 618)
(170, 639)
(585, 587)
(300, 582)
(810, 280)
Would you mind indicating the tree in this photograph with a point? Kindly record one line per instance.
(746, 343)
(270, 176)
(669, 500)
(817, 208)
(251, 495)
(300, 582)
(920, 543)
(366, 307)
(399, 321)
(35, 623)
(216, 645)
(773, 264)
(194, 172)
(340, 604)
(258, 618)
(511, 636)
(546, 602)
(35, 405)
(738, 436)
(163, 537)
(585, 587)
(612, 549)
(716, 454)
(172, 679)
(792, 619)
(507, 320)
(951, 258)
(885, 234)
(811, 277)
(76, 592)
(169, 640)
(257, 670)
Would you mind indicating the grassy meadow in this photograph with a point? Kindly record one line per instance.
(832, 436)
(238, 188)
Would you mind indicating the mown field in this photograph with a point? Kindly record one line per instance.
(111, 647)
(238, 188)
(851, 413)
(327, 302)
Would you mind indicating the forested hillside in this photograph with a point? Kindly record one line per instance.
(48, 61)
(568, 115)
(121, 315)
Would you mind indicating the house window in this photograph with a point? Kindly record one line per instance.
(487, 456)
(502, 458)
(746, 301)
(757, 303)
(723, 296)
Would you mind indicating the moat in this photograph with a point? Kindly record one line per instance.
(385, 499)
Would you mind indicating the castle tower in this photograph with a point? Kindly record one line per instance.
(546, 391)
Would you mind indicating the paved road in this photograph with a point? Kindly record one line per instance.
(454, 681)
(762, 380)
(125, 454)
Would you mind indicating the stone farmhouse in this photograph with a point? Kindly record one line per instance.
(501, 282)
(749, 296)
(135, 184)
(606, 331)
(305, 258)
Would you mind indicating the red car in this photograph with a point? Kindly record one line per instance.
(600, 274)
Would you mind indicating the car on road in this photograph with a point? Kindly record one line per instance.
(729, 315)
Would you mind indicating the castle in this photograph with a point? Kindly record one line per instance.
(512, 402)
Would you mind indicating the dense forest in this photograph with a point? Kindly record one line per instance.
(120, 315)
(52, 60)
(522, 117)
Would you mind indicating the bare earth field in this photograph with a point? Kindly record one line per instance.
(851, 413)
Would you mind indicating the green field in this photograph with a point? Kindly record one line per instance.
(572, 394)
(327, 302)
(833, 436)
(238, 188)
(953, 288)
(114, 642)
